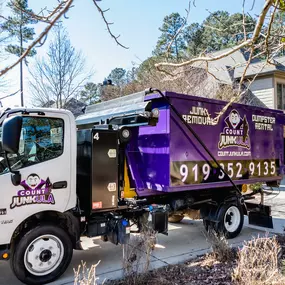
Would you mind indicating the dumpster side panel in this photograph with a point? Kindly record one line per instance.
(148, 155)
(247, 142)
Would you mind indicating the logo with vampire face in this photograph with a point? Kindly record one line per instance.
(236, 132)
(35, 191)
(33, 180)
(234, 119)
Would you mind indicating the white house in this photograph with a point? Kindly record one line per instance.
(266, 81)
(269, 79)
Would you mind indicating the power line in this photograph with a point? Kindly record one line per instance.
(10, 95)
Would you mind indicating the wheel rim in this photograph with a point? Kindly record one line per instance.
(43, 255)
(232, 219)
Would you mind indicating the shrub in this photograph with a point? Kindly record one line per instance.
(85, 276)
(258, 263)
(137, 255)
(221, 251)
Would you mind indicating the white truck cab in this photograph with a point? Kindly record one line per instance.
(40, 181)
(59, 183)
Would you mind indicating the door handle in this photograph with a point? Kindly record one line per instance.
(59, 185)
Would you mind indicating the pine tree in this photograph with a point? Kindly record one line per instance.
(118, 76)
(170, 36)
(91, 93)
(19, 31)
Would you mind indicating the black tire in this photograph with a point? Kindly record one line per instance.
(175, 218)
(227, 226)
(17, 260)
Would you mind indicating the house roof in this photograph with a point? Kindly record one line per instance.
(75, 106)
(223, 69)
(232, 67)
(72, 104)
(261, 67)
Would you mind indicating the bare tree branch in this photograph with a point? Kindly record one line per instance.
(212, 74)
(200, 58)
(4, 18)
(60, 76)
(108, 24)
(238, 95)
(243, 21)
(268, 34)
(260, 41)
(180, 29)
(37, 16)
(50, 19)
(246, 43)
(246, 68)
(225, 29)
(252, 6)
(61, 12)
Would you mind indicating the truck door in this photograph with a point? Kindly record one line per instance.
(45, 163)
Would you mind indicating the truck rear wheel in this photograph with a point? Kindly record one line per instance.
(228, 222)
(231, 220)
(41, 255)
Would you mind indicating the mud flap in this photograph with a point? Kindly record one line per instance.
(259, 215)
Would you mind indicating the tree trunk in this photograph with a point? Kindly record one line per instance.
(176, 49)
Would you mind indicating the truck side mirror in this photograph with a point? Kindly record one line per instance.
(11, 132)
(16, 178)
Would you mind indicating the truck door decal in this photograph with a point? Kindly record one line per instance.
(36, 191)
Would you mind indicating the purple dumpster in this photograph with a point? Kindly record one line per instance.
(188, 160)
(247, 142)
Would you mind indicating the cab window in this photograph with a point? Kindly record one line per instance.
(41, 140)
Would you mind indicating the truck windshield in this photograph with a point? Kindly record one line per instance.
(41, 140)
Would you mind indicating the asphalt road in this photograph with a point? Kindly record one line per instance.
(185, 241)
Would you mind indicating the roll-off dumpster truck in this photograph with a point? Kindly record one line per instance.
(139, 159)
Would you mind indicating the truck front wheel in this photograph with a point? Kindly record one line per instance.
(41, 255)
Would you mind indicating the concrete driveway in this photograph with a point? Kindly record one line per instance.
(185, 241)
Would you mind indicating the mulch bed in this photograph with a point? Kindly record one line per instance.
(199, 271)
(202, 270)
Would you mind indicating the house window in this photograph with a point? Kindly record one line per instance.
(280, 96)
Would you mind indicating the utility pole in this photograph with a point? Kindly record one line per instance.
(21, 62)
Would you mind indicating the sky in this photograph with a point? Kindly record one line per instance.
(136, 21)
